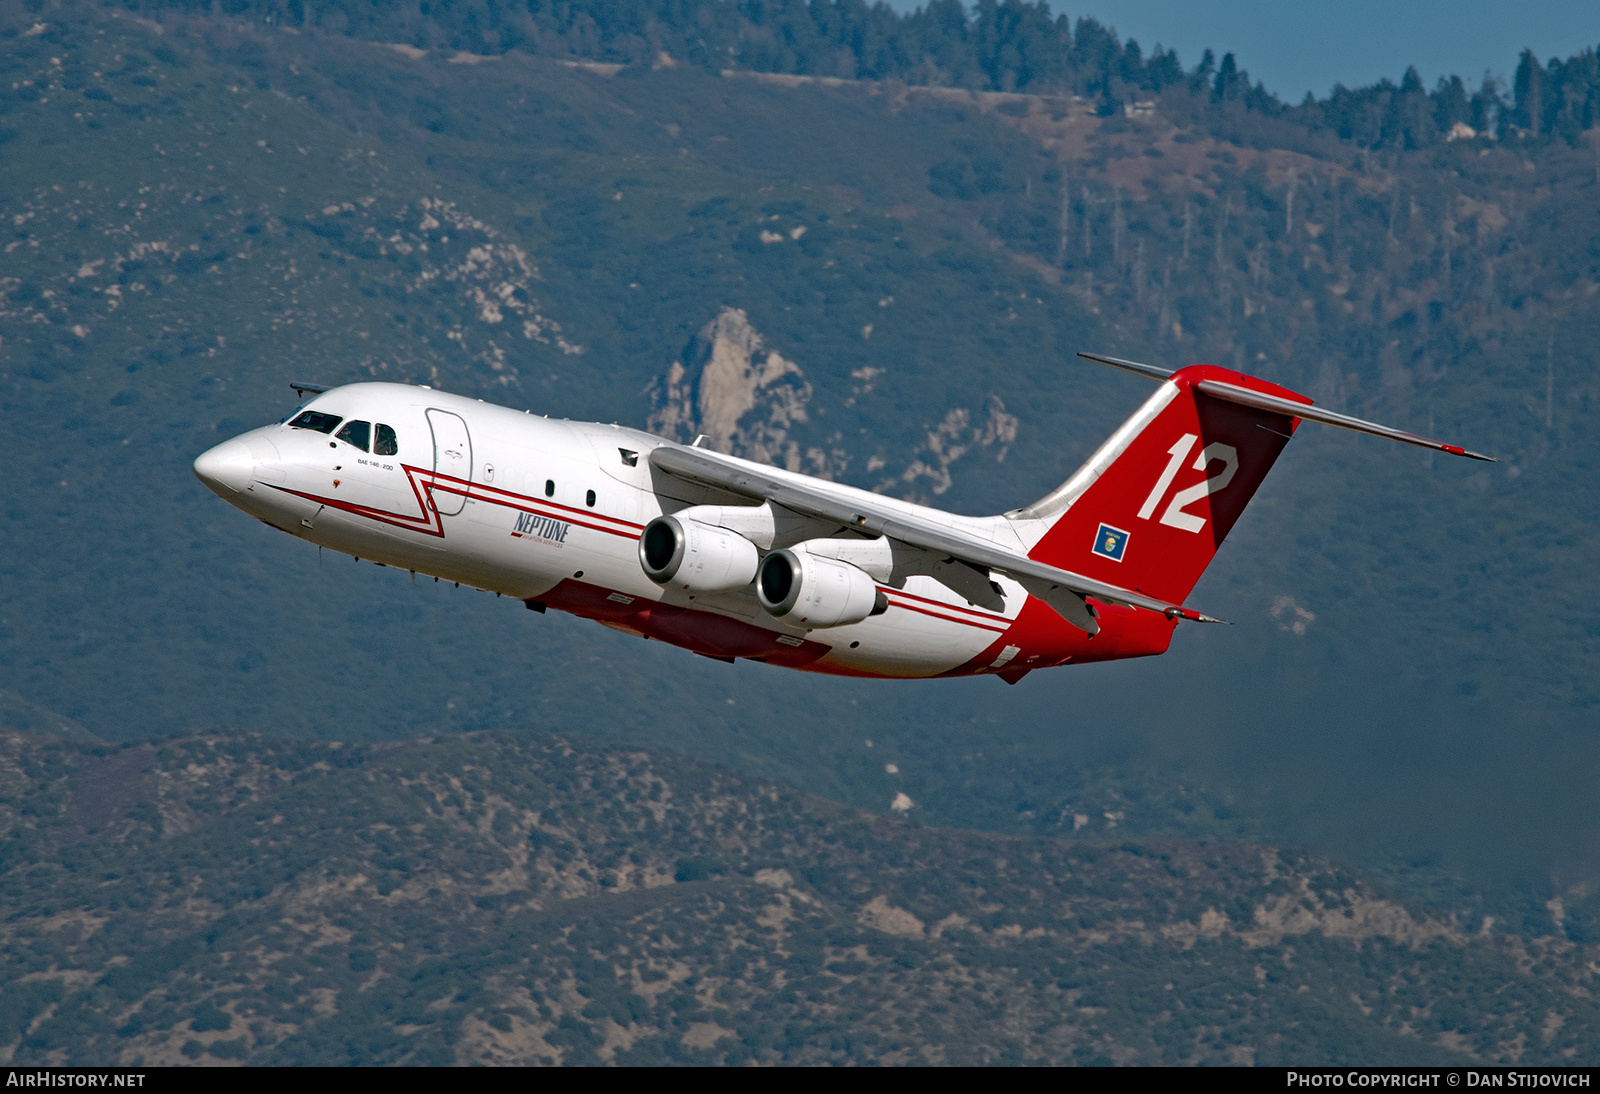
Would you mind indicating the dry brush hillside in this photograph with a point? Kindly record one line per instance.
(513, 898)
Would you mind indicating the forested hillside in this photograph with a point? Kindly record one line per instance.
(203, 204)
(517, 898)
(1006, 46)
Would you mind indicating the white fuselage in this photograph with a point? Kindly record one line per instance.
(550, 512)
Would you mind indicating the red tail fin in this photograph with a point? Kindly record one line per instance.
(1150, 509)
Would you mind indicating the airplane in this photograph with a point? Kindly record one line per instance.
(734, 559)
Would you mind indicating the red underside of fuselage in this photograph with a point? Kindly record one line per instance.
(701, 631)
(1042, 637)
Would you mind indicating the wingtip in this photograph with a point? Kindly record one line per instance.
(1194, 617)
(1457, 450)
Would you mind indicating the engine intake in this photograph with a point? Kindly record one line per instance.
(817, 592)
(696, 557)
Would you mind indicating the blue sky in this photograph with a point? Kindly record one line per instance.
(1294, 46)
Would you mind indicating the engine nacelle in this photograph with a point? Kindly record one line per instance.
(817, 592)
(698, 558)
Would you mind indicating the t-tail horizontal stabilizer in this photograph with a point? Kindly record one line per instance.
(1232, 393)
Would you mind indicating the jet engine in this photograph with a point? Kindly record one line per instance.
(817, 592)
(686, 554)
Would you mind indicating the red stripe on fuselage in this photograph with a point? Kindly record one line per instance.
(985, 626)
(478, 491)
(432, 524)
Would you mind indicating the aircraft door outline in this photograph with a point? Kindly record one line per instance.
(452, 457)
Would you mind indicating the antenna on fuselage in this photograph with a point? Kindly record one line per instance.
(302, 390)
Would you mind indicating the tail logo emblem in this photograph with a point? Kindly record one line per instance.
(1110, 542)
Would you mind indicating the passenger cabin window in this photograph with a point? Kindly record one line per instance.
(589, 499)
(549, 488)
(315, 419)
(356, 433)
(386, 444)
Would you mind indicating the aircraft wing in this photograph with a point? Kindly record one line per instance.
(1061, 589)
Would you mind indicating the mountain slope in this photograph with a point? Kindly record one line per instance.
(516, 898)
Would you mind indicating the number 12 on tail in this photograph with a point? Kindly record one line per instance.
(1175, 515)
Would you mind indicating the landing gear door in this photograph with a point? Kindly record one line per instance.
(452, 461)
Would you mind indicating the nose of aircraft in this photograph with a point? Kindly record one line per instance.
(225, 468)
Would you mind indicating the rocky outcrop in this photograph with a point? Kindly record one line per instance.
(743, 397)
(748, 400)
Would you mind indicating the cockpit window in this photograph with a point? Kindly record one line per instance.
(314, 419)
(387, 443)
(356, 433)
